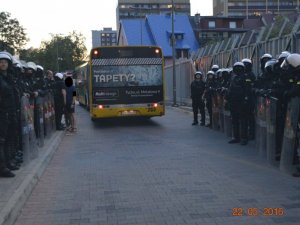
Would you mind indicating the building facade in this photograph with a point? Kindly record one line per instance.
(217, 28)
(105, 37)
(130, 9)
(254, 7)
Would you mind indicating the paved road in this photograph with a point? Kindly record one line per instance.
(158, 172)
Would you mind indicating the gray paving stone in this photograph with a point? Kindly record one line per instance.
(157, 172)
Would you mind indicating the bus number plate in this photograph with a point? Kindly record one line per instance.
(128, 113)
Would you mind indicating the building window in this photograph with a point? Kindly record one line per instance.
(211, 24)
(178, 36)
(232, 25)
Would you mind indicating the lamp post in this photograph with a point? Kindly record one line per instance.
(173, 58)
(57, 52)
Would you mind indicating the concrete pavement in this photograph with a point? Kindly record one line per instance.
(159, 172)
(15, 191)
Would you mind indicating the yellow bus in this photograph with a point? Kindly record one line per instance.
(126, 81)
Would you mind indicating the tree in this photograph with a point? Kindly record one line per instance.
(12, 34)
(61, 53)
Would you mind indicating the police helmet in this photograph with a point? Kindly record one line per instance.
(247, 63)
(292, 62)
(238, 68)
(59, 75)
(283, 56)
(6, 55)
(31, 66)
(225, 72)
(39, 67)
(269, 66)
(215, 68)
(39, 71)
(266, 56)
(198, 75)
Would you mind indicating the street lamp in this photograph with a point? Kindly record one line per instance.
(173, 58)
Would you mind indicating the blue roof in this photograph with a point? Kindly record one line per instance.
(156, 30)
(136, 32)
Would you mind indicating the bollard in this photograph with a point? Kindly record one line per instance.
(289, 138)
(271, 109)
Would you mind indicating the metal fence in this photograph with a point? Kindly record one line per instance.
(184, 70)
(227, 52)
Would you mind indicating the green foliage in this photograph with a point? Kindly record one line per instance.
(12, 34)
(278, 23)
(288, 29)
(61, 53)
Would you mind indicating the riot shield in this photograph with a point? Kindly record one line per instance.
(215, 113)
(261, 126)
(221, 112)
(271, 109)
(39, 120)
(33, 153)
(227, 120)
(289, 138)
(52, 113)
(46, 117)
(25, 129)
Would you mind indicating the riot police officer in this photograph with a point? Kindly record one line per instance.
(260, 81)
(250, 96)
(237, 100)
(292, 65)
(7, 115)
(208, 94)
(197, 90)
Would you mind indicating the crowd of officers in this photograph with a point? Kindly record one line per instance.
(18, 80)
(239, 87)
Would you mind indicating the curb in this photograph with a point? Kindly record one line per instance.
(36, 168)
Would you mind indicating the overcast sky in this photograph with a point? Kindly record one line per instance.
(40, 18)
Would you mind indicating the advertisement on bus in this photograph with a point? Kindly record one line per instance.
(127, 84)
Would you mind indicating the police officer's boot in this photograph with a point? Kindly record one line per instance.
(195, 118)
(4, 171)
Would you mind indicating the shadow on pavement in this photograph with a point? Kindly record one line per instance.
(125, 122)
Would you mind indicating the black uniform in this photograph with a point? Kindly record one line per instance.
(250, 100)
(197, 90)
(8, 120)
(210, 89)
(238, 107)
